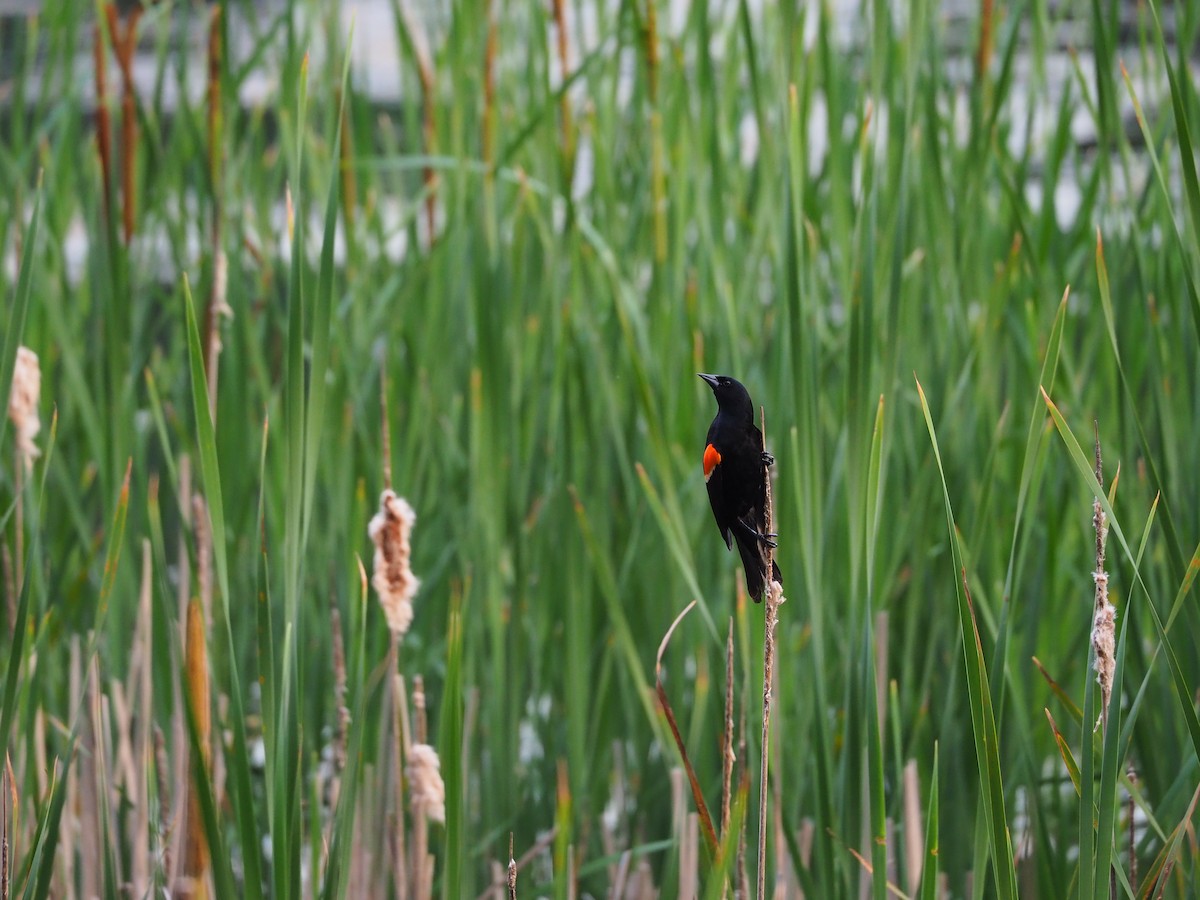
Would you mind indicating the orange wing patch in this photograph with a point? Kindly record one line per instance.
(712, 458)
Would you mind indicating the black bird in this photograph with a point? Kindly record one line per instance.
(735, 472)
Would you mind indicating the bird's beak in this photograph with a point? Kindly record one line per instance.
(710, 379)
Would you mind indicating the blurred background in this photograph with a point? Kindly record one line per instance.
(274, 257)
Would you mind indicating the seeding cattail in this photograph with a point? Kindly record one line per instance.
(23, 404)
(1104, 619)
(393, 578)
(426, 788)
(1104, 639)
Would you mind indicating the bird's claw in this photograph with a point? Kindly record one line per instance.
(768, 539)
(767, 459)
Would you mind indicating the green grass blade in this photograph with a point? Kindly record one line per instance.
(1064, 751)
(1174, 546)
(872, 500)
(322, 325)
(450, 740)
(1187, 168)
(286, 846)
(929, 870)
(1182, 690)
(678, 544)
(338, 866)
(1037, 418)
(239, 758)
(619, 621)
(16, 660)
(1161, 867)
(45, 841)
(983, 720)
(1187, 157)
(875, 781)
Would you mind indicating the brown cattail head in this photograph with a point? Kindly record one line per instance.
(1104, 618)
(1104, 634)
(426, 788)
(393, 578)
(1104, 639)
(23, 403)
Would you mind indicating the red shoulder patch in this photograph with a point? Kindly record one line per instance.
(712, 458)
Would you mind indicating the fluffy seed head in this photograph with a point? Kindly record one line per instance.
(427, 789)
(23, 404)
(1104, 638)
(393, 578)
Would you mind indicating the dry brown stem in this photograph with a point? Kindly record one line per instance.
(489, 86)
(8, 788)
(426, 76)
(512, 870)
(727, 756)
(193, 880)
(400, 745)
(774, 600)
(385, 434)
(563, 47)
(124, 42)
(710, 835)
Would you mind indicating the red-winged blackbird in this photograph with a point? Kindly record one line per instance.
(735, 472)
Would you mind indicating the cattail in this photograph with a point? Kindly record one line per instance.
(1104, 640)
(1104, 619)
(426, 788)
(393, 578)
(23, 403)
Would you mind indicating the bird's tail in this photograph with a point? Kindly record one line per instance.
(754, 561)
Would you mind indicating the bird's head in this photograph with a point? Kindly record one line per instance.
(732, 396)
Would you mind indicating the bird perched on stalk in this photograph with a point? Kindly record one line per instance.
(735, 473)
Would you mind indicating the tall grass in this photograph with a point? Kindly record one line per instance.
(571, 210)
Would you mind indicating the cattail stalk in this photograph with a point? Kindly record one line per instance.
(124, 44)
(983, 55)
(194, 872)
(384, 432)
(400, 749)
(489, 88)
(658, 153)
(8, 784)
(512, 870)
(103, 119)
(566, 130)
(774, 600)
(10, 590)
(727, 757)
(218, 303)
(174, 829)
(161, 768)
(425, 76)
(141, 691)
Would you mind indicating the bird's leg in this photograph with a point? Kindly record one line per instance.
(767, 460)
(751, 532)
